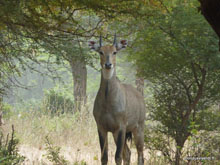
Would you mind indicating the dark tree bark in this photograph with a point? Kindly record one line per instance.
(79, 73)
(180, 140)
(178, 154)
(211, 11)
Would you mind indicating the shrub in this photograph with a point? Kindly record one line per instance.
(204, 147)
(8, 150)
(53, 154)
(6, 110)
(82, 162)
(58, 103)
(161, 147)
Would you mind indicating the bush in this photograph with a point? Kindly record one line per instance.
(58, 103)
(6, 110)
(53, 154)
(8, 150)
(161, 147)
(203, 147)
(82, 162)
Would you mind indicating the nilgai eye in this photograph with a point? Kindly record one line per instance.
(114, 53)
(101, 53)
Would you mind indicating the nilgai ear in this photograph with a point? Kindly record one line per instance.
(122, 44)
(93, 45)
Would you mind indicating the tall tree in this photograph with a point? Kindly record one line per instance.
(27, 26)
(177, 52)
(79, 73)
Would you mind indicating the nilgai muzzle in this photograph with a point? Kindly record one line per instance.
(119, 108)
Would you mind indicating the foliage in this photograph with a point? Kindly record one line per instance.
(58, 103)
(53, 153)
(176, 51)
(210, 117)
(8, 150)
(203, 145)
(80, 163)
(115, 9)
(27, 26)
(6, 110)
(159, 142)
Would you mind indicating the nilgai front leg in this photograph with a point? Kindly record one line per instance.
(103, 140)
(119, 137)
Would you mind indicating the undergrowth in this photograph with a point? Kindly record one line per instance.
(69, 134)
(53, 153)
(9, 150)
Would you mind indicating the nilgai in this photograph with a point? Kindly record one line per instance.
(119, 108)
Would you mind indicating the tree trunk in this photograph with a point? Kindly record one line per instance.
(140, 83)
(79, 73)
(179, 146)
(1, 106)
(1, 111)
(177, 155)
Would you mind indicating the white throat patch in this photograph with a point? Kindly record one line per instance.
(107, 73)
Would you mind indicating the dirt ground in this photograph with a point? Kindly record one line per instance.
(90, 155)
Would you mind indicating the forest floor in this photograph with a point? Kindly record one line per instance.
(76, 135)
(80, 155)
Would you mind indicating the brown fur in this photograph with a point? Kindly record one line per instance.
(107, 50)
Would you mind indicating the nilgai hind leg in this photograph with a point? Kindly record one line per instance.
(139, 142)
(126, 154)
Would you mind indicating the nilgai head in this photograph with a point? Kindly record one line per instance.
(108, 55)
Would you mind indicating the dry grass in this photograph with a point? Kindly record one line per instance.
(75, 134)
